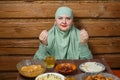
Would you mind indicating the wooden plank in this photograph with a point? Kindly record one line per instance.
(8, 75)
(64, 0)
(31, 28)
(20, 28)
(100, 27)
(111, 59)
(105, 45)
(8, 63)
(39, 9)
(17, 51)
(18, 46)
(19, 43)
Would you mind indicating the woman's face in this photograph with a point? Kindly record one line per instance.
(64, 22)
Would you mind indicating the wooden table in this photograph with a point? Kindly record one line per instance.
(76, 62)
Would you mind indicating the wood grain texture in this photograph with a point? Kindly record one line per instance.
(8, 63)
(97, 45)
(31, 28)
(8, 75)
(17, 51)
(21, 22)
(39, 9)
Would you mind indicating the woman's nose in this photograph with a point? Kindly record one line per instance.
(64, 20)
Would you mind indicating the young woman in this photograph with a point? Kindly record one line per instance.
(63, 40)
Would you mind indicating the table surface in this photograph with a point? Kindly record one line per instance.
(76, 62)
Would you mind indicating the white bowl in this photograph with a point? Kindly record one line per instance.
(50, 76)
(92, 67)
(82, 76)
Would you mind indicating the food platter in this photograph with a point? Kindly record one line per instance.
(92, 67)
(106, 75)
(65, 68)
(50, 76)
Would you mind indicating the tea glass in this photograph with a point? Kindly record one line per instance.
(70, 78)
(50, 61)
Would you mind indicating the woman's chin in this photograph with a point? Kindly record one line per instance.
(64, 29)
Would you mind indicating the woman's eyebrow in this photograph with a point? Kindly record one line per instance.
(68, 17)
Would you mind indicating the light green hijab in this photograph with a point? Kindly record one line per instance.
(64, 45)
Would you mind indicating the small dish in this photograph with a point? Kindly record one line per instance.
(31, 68)
(65, 68)
(106, 76)
(92, 67)
(50, 76)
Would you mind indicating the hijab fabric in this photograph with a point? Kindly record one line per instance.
(64, 45)
(64, 11)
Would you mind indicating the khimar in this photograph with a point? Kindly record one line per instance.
(64, 45)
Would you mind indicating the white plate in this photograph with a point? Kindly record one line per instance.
(84, 75)
(92, 67)
(50, 76)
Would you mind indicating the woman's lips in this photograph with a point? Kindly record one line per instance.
(64, 25)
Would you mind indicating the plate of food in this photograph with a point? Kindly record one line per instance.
(65, 68)
(92, 67)
(31, 67)
(100, 76)
(50, 76)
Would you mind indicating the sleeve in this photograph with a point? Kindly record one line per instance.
(85, 53)
(41, 53)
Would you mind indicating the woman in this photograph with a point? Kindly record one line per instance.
(63, 40)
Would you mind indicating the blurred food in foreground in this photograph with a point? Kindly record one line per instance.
(98, 77)
(31, 68)
(50, 76)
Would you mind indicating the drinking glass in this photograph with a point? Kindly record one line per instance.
(50, 61)
(70, 78)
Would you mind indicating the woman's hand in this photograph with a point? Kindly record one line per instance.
(83, 36)
(43, 37)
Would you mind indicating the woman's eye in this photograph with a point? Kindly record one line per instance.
(60, 18)
(68, 18)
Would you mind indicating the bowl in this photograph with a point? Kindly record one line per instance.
(99, 76)
(92, 67)
(31, 68)
(65, 68)
(50, 76)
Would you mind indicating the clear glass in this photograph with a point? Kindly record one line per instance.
(70, 78)
(50, 61)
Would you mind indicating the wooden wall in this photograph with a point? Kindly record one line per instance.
(21, 22)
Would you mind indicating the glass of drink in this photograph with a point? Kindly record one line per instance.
(70, 78)
(50, 61)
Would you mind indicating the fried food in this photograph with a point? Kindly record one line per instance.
(98, 77)
(31, 70)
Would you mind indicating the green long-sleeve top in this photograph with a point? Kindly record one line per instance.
(64, 45)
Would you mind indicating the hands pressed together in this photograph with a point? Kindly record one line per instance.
(83, 36)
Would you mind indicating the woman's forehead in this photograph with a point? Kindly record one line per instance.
(64, 15)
